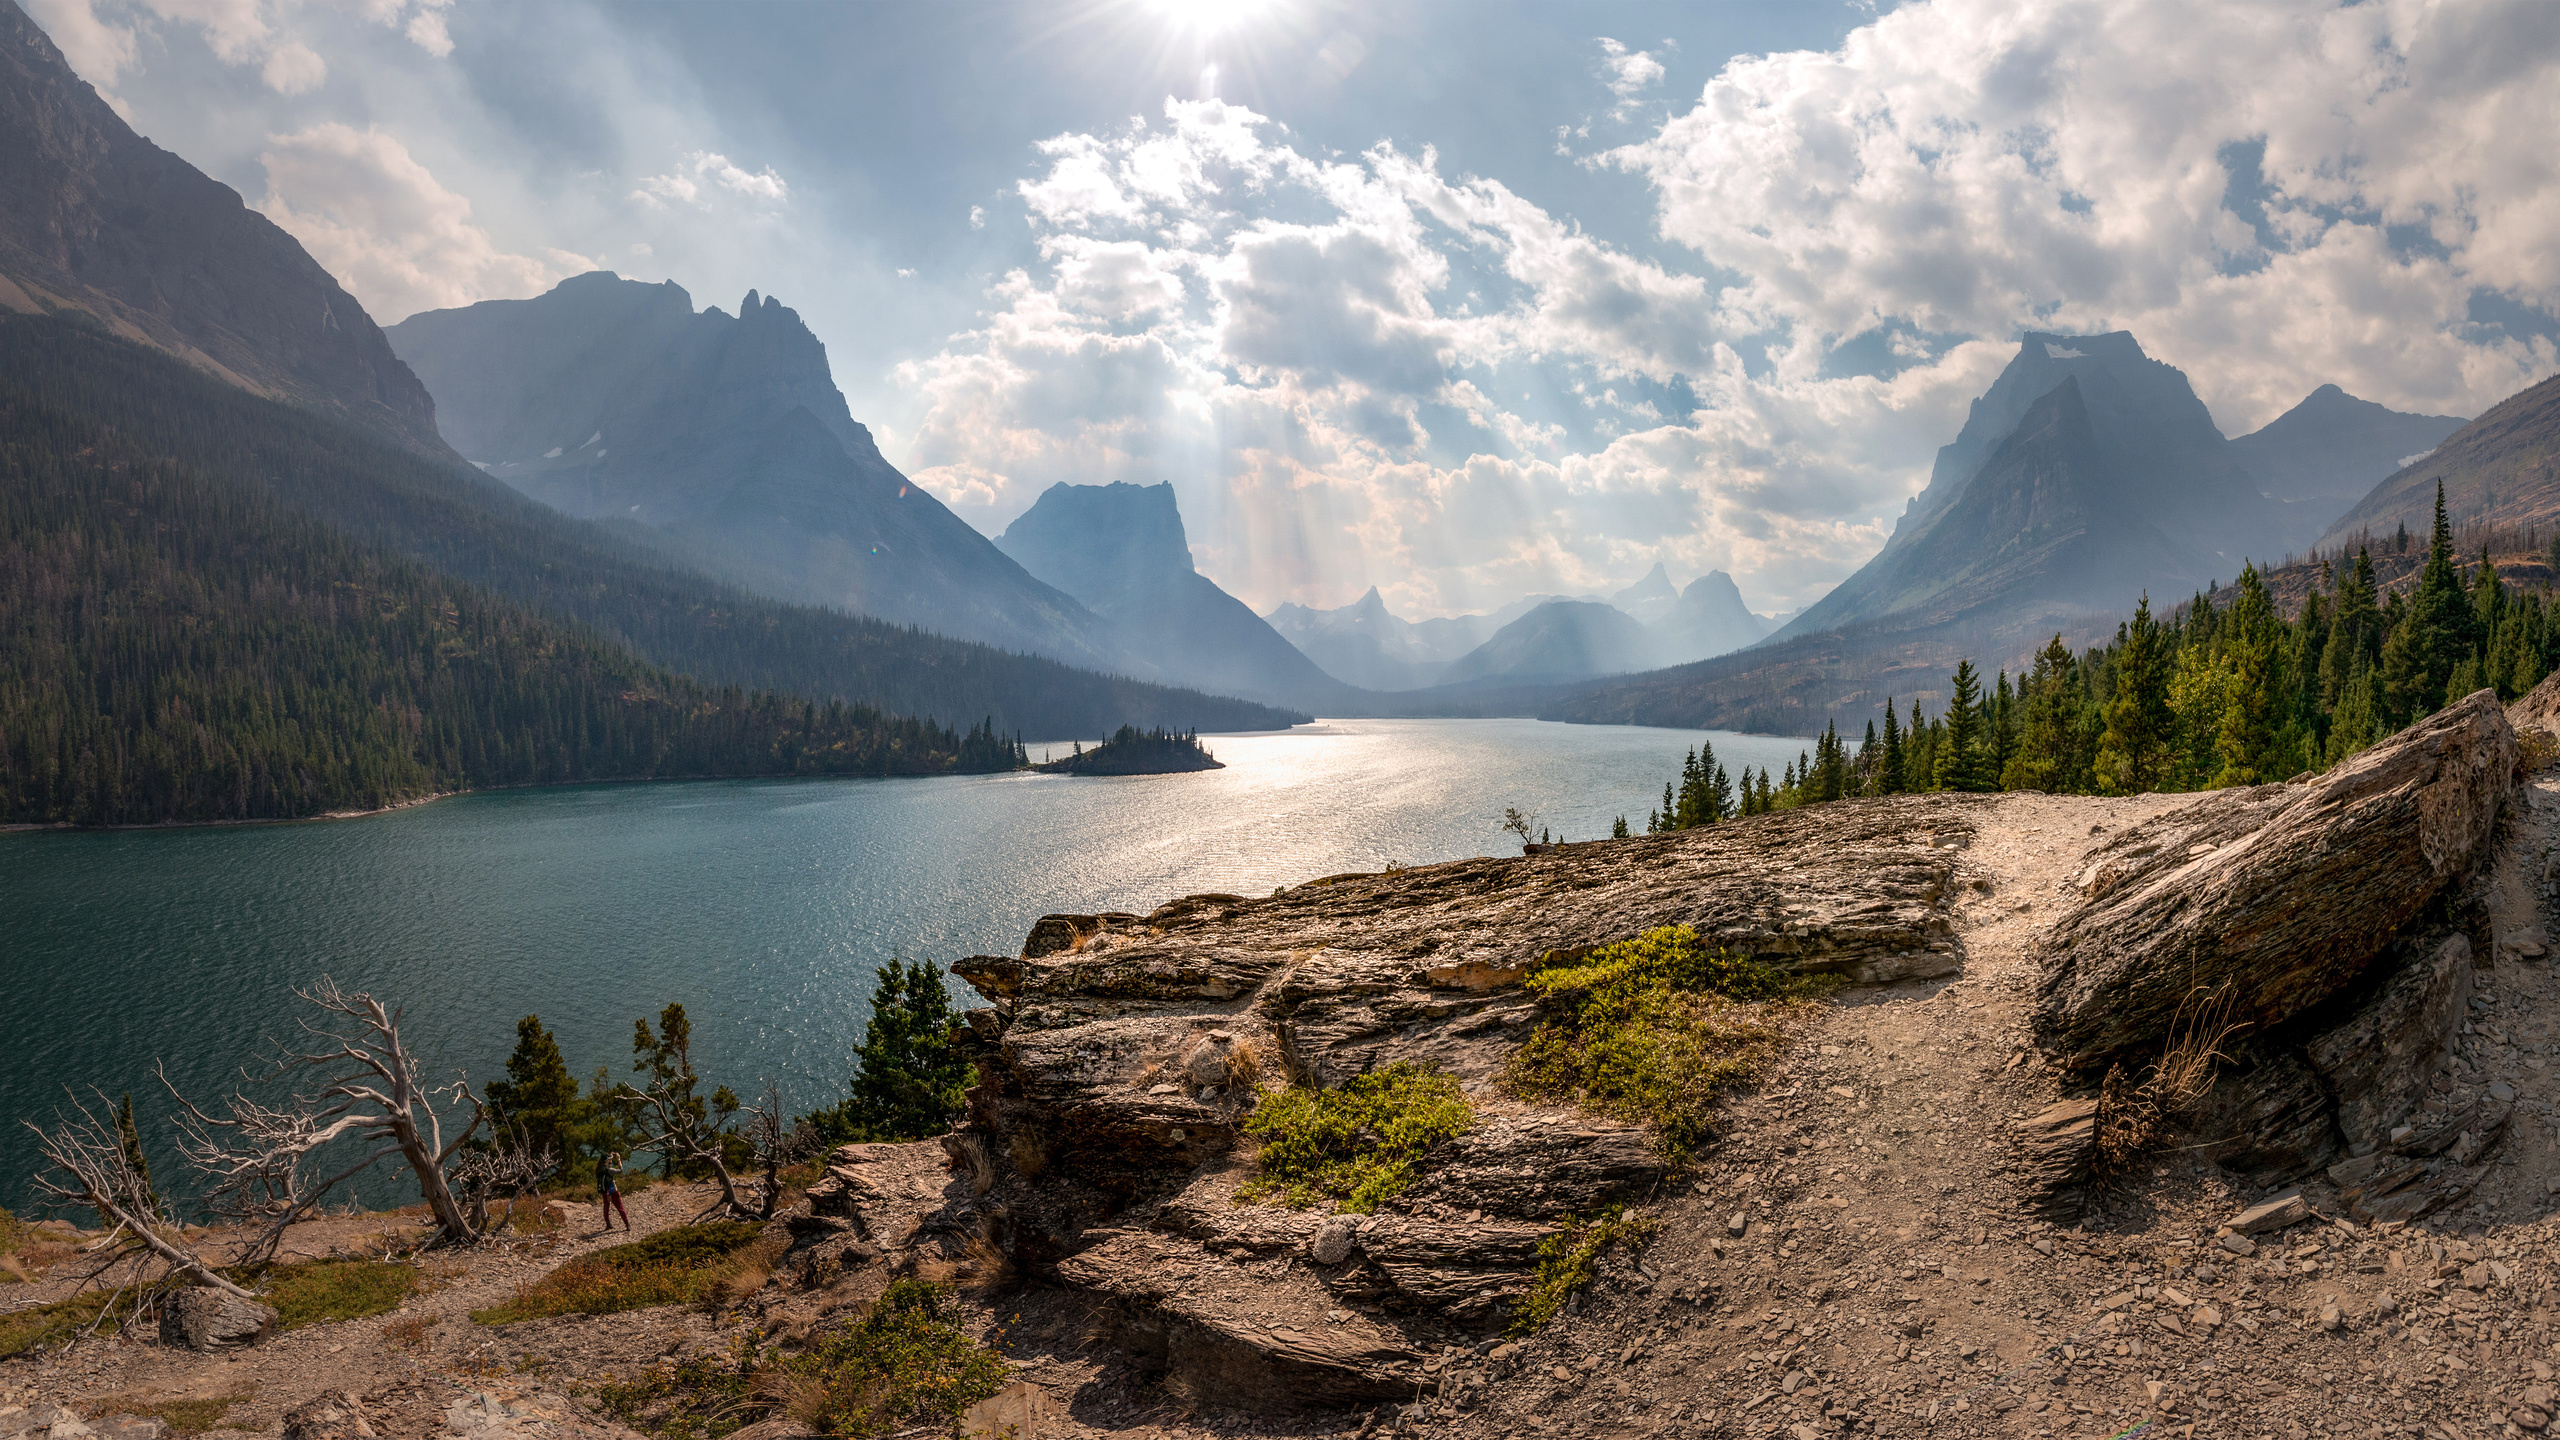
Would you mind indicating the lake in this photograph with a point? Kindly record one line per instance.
(763, 906)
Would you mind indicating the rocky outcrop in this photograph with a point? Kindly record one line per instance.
(2338, 924)
(2279, 898)
(1121, 1054)
(54, 1422)
(206, 1320)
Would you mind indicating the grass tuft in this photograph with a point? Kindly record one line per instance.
(40, 1325)
(1355, 1145)
(318, 1291)
(1654, 1029)
(672, 1267)
(907, 1365)
(1569, 1260)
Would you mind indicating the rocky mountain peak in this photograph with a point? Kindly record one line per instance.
(95, 218)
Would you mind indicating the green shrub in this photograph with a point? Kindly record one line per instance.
(313, 1292)
(700, 1397)
(1655, 1028)
(907, 1365)
(1569, 1260)
(24, 1330)
(1355, 1145)
(672, 1267)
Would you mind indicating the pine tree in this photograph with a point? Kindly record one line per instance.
(2134, 752)
(539, 1100)
(908, 1082)
(2245, 739)
(2438, 632)
(1890, 774)
(2047, 756)
(1961, 760)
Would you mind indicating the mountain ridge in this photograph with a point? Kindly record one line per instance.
(100, 222)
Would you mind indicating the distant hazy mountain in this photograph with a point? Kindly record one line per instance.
(611, 399)
(96, 219)
(1122, 551)
(1560, 640)
(1651, 599)
(1365, 644)
(2087, 473)
(2334, 447)
(1708, 619)
(2503, 468)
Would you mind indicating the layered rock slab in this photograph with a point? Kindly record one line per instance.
(2329, 925)
(2280, 897)
(1122, 1054)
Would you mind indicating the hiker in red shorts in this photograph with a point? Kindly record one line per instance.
(609, 1192)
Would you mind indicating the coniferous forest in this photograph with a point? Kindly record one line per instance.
(172, 648)
(2207, 697)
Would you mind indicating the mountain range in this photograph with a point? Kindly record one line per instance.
(2088, 475)
(724, 435)
(1539, 639)
(376, 615)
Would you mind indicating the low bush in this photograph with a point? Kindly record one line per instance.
(1569, 1260)
(1355, 1144)
(908, 1365)
(318, 1291)
(1655, 1028)
(672, 1267)
(41, 1325)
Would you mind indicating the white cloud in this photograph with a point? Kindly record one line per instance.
(294, 69)
(396, 238)
(1630, 72)
(99, 50)
(426, 28)
(1362, 369)
(1965, 167)
(687, 184)
(977, 217)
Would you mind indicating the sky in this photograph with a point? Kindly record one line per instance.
(1462, 300)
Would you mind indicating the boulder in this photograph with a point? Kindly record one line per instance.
(206, 1320)
(2280, 897)
(330, 1415)
(1019, 1411)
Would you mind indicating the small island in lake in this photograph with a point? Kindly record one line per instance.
(1131, 751)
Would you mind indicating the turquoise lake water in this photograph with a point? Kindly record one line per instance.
(764, 906)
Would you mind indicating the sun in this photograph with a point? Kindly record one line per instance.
(1207, 18)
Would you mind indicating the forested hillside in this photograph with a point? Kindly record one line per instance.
(478, 531)
(2211, 695)
(174, 649)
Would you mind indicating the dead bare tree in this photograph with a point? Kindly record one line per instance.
(689, 1131)
(776, 1141)
(350, 1077)
(511, 1165)
(89, 1165)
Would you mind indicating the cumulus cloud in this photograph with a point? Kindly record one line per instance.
(702, 174)
(294, 69)
(1362, 369)
(1965, 167)
(1630, 73)
(395, 237)
(98, 49)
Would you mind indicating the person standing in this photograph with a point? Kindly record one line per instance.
(609, 1190)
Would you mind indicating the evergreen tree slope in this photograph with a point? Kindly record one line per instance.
(609, 579)
(172, 648)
